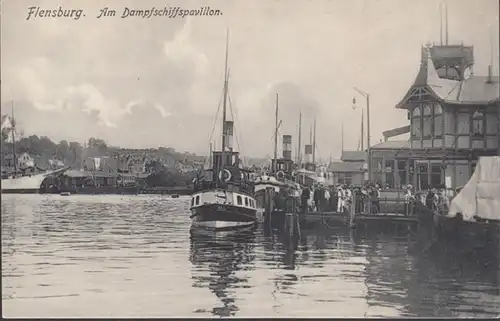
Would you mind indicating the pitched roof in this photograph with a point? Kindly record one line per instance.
(353, 155)
(393, 144)
(77, 173)
(474, 90)
(346, 167)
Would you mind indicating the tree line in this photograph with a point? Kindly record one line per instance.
(73, 153)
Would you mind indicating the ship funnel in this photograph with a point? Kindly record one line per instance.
(228, 135)
(308, 154)
(287, 146)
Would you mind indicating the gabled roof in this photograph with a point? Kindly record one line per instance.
(343, 167)
(393, 144)
(474, 90)
(353, 156)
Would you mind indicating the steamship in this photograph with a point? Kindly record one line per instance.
(223, 194)
(280, 180)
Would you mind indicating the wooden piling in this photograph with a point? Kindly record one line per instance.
(291, 223)
(352, 211)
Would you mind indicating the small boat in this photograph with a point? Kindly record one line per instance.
(65, 194)
(223, 196)
(29, 183)
(175, 195)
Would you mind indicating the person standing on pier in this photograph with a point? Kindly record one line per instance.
(373, 199)
(333, 198)
(340, 198)
(317, 197)
(376, 198)
(429, 199)
(409, 200)
(347, 198)
(304, 198)
(326, 200)
(365, 199)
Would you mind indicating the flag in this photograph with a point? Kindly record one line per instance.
(97, 163)
(7, 122)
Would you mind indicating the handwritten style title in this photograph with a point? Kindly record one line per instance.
(167, 11)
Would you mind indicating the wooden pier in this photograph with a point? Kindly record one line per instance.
(387, 212)
(401, 216)
(345, 218)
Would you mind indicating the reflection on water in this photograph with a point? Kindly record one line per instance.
(222, 258)
(119, 256)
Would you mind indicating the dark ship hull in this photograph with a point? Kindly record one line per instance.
(223, 210)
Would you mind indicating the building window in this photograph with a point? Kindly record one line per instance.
(192, 201)
(416, 123)
(478, 123)
(246, 201)
(238, 200)
(377, 163)
(348, 178)
(422, 176)
(463, 123)
(426, 121)
(345, 178)
(491, 124)
(402, 173)
(197, 200)
(420, 94)
(438, 121)
(389, 173)
(436, 175)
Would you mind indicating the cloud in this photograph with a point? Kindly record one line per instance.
(149, 82)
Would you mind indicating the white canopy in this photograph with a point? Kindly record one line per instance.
(481, 195)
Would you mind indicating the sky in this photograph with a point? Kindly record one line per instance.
(148, 82)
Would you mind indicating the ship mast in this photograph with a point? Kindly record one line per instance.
(13, 130)
(224, 104)
(300, 138)
(275, 138)
(342, 138)
(314, 143)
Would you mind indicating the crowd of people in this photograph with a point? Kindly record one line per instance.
(340, 198)
(345, 198)
(439, 198)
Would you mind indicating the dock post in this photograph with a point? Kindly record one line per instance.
(290, 223)
(267, 206)
(352, 211)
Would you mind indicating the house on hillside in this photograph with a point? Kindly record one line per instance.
(23, 162)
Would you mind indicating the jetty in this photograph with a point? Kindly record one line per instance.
(396, 212)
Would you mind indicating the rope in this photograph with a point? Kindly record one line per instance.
(236, 134)
(215, 123)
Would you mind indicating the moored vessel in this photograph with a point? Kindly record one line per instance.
(223, 195)
(473, 216)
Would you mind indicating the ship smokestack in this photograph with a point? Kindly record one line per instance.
(287, 146)
(229, 135)
(308, 153)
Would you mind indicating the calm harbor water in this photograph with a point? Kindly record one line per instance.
(132, 256)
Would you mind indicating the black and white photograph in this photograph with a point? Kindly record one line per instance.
(250, 159)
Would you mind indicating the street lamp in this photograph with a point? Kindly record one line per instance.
(362, 124)
(367, 96)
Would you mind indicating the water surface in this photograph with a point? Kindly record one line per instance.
(132, 256)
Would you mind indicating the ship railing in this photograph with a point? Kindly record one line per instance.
(384, 205)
